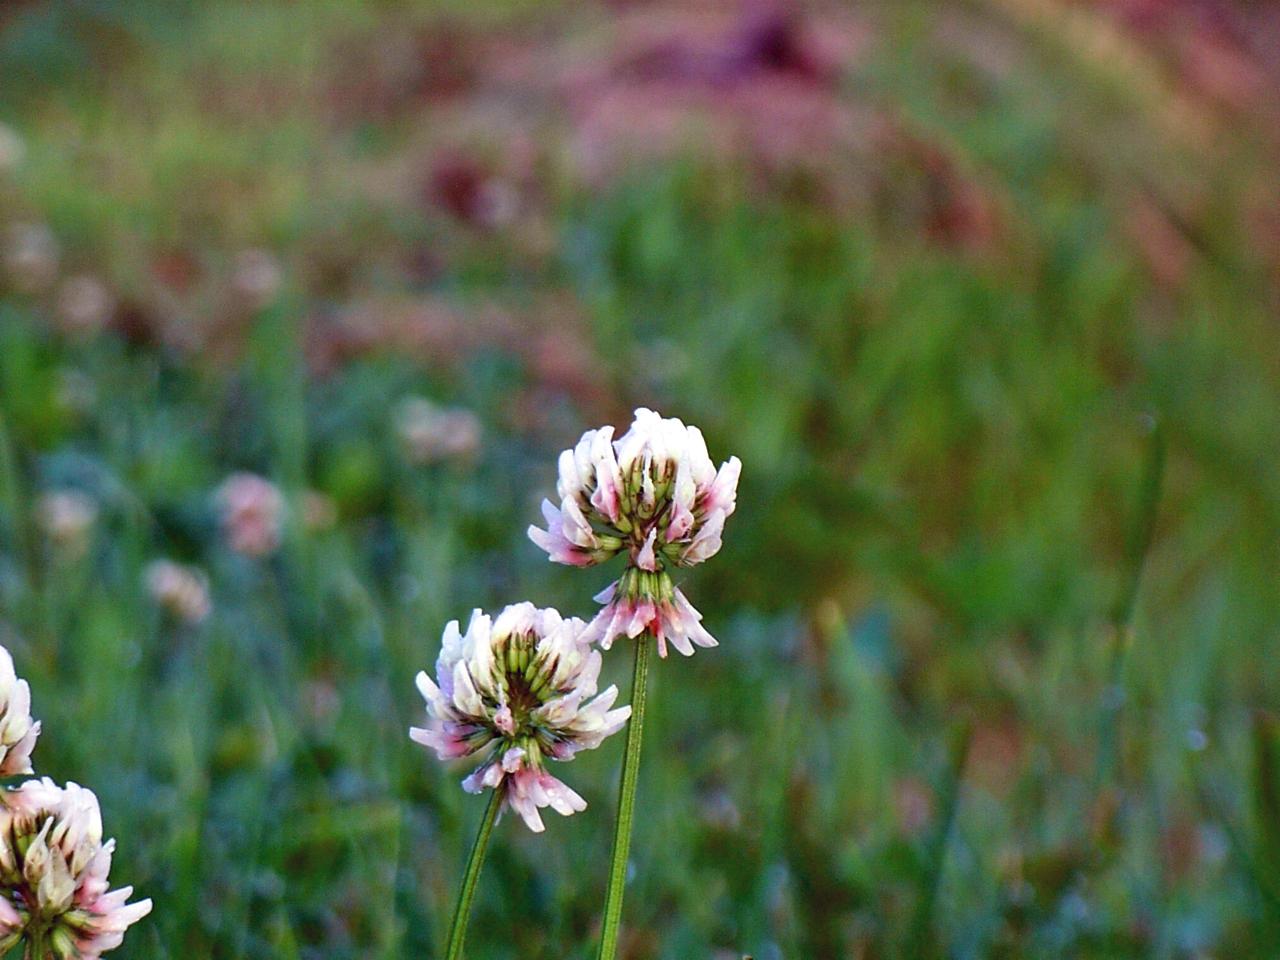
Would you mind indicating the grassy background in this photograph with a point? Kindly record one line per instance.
(931, 271)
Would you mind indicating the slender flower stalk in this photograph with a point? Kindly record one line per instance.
(655, 496)
(626, 806)
(458, 929)
(516, 690)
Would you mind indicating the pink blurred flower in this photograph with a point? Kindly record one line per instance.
(518, 690)
(252, 513)
(182, 591)
(53, 870)
(18, 732)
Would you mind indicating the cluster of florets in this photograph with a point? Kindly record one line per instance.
(252, 513)
(656, 495)
(54, 894)
(53, 872)
(18, 732)
(518, 690)
(521, 689)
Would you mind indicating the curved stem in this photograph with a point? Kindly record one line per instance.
(626, 803)
(458, 930)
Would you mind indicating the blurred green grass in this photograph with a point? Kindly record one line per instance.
(936, 346)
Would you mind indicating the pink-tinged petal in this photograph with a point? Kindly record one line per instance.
(607, 498)
(723, 494)
(474, 781)
(10, 919)
(465, 697)
(575, 527)
(706, 543)
(561, 798)
(513, 759)
(675, 632)
(553, 540)
(528, 811)
(646, 559)
(504, 720)
(700, 466)
(692, 621)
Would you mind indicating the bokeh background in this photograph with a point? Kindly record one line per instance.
(984, 294)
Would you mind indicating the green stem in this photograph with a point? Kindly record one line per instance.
(458, 930)
(626, 803)
(1126, 602)
(35, 944)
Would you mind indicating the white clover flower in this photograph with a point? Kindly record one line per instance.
(182, 591)
(656, 495)
(53, 872)
(18, 732)
(252, 513)
(518, 690)
(67, 516)
(256, 278)
(12, 149)
(85, 305)
(429, 433)
(31, 256)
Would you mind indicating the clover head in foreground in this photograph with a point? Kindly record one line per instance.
(518, 690)
(53, 873)
(655, 495)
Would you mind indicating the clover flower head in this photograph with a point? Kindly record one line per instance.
(654, 494)
(641, 600)
(252, 513)
(518, 690)
(182, 591)
(53, 872)
(18, 732)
